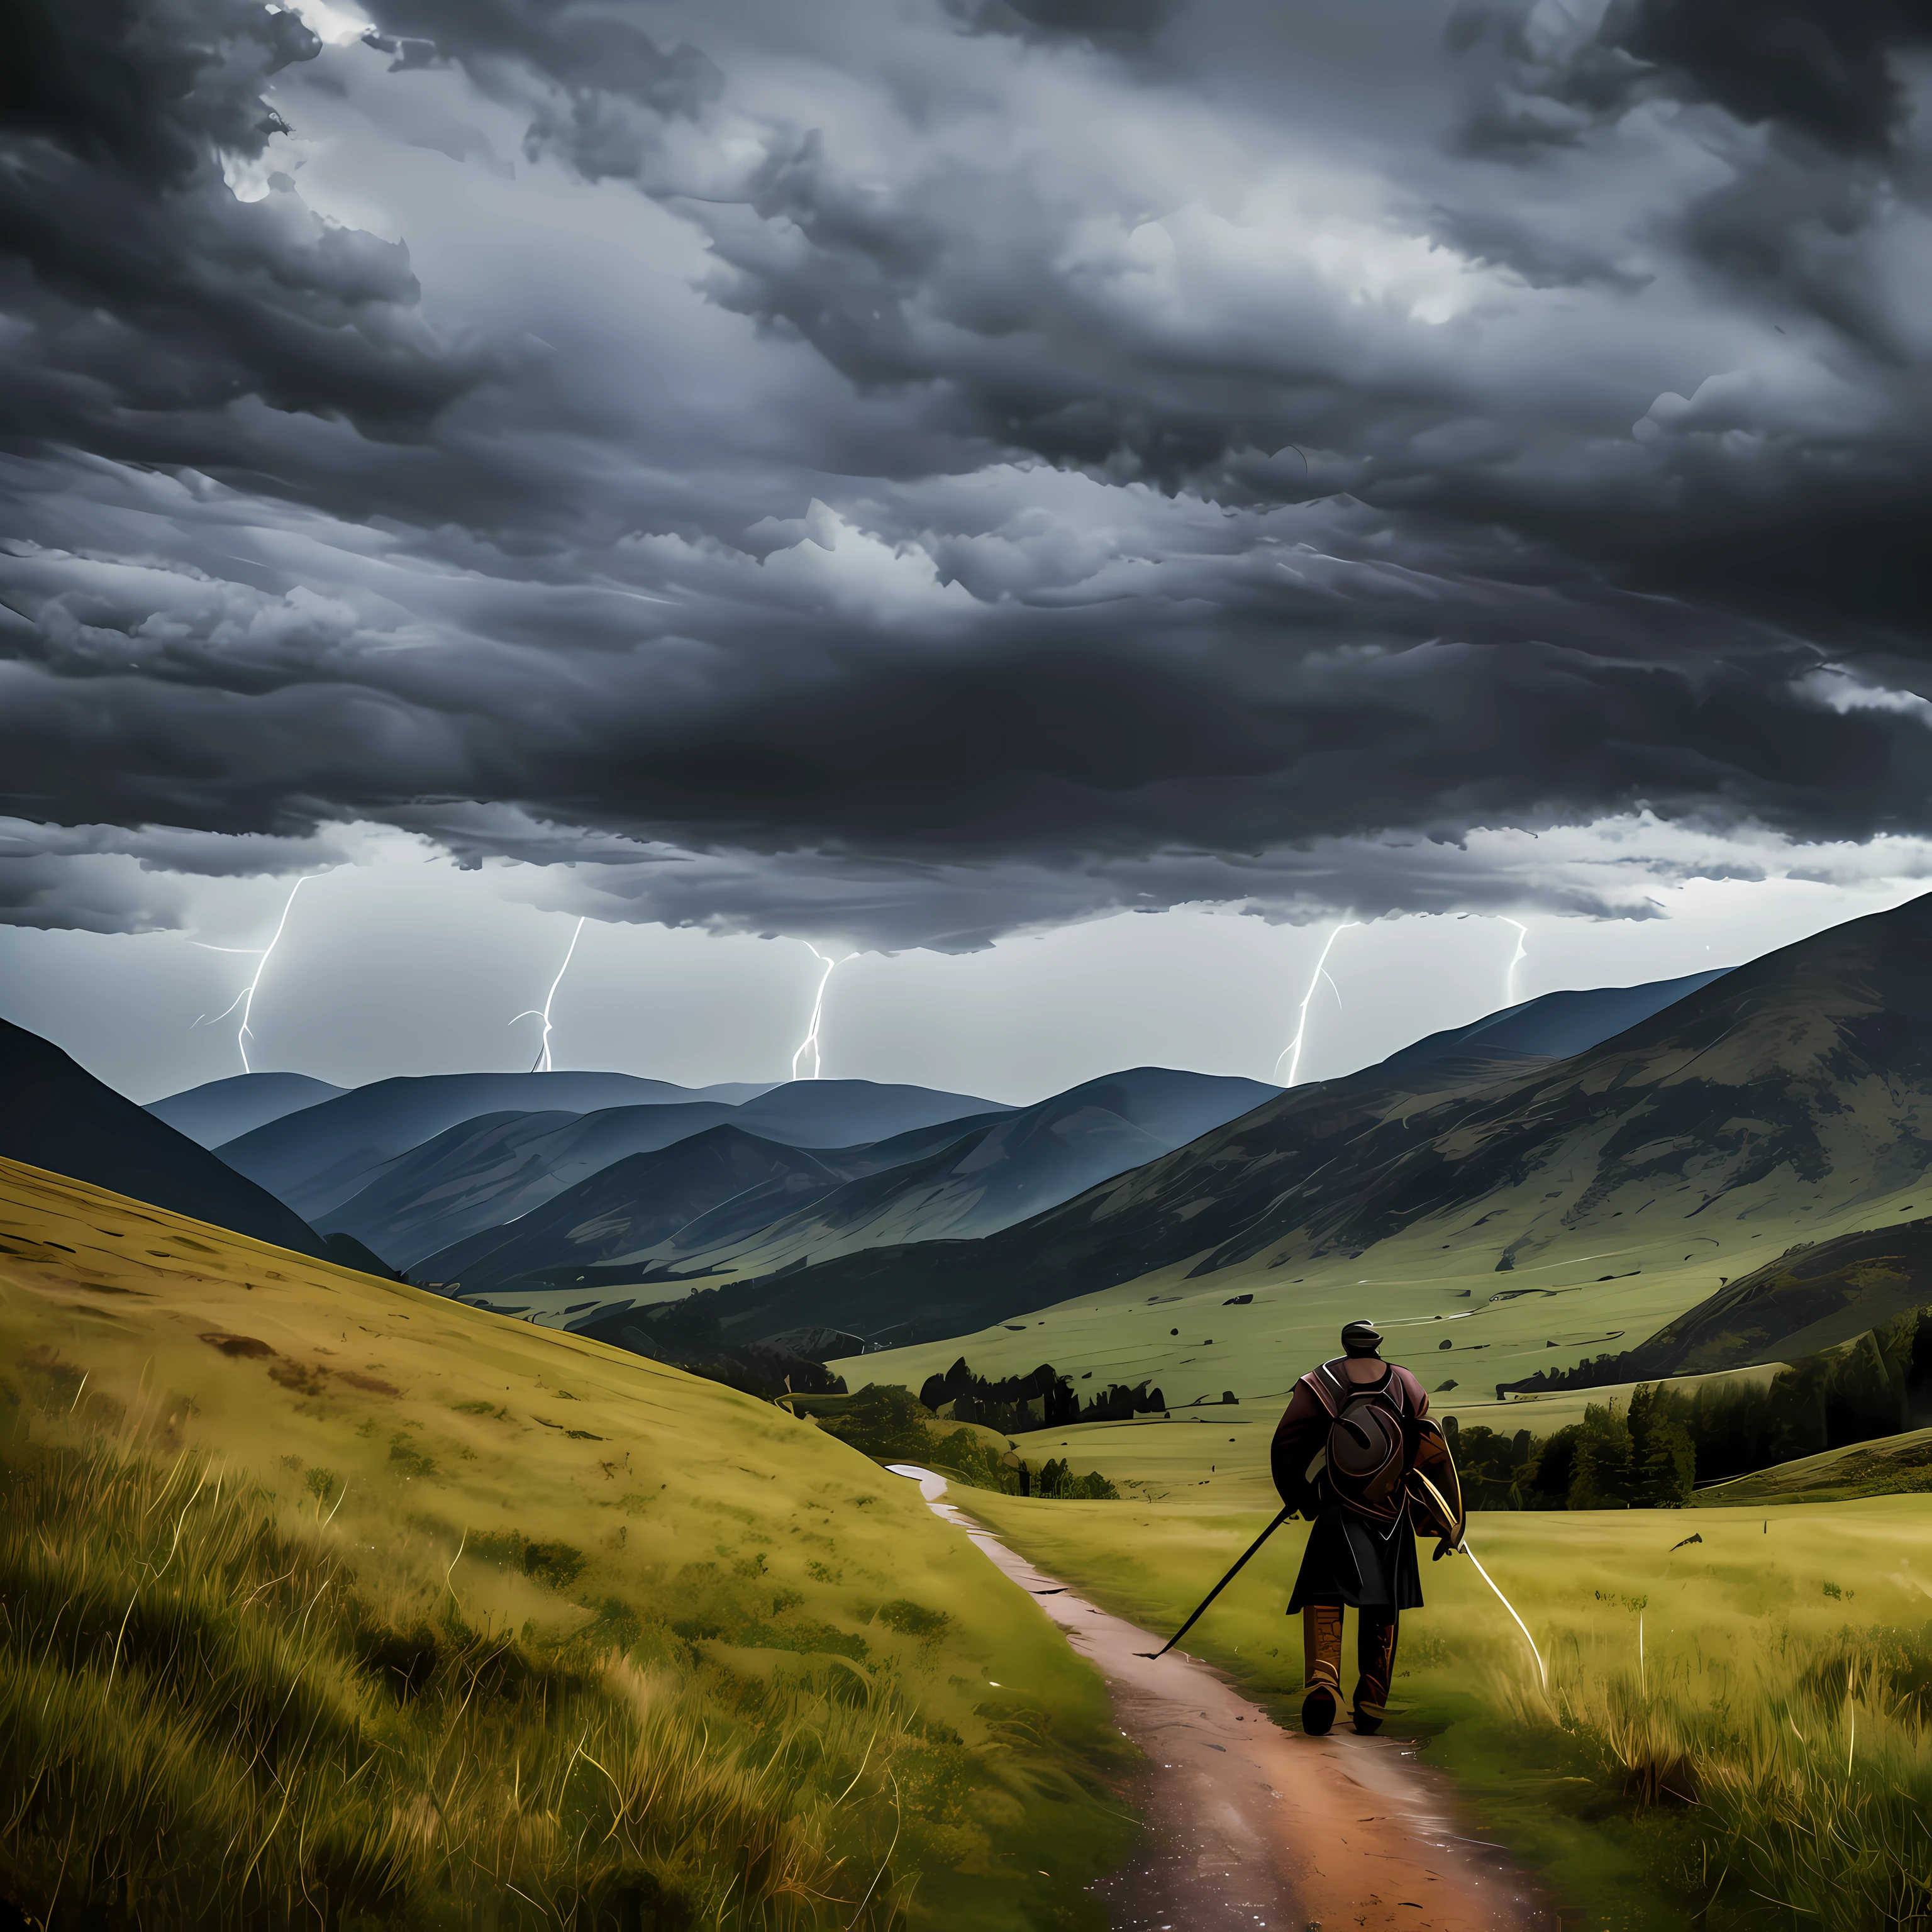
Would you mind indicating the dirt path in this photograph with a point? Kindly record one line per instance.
(1252, 1827)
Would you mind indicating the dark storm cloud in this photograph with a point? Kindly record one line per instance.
(948, 281)
(135, 281)
(1824, 69)
(1197, 494)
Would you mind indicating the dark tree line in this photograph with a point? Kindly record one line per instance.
(1639, 1457)
(1649, 1454)
(1043, 1399)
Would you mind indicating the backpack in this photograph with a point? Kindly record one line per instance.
(1367, 1451)
(1367, 1458)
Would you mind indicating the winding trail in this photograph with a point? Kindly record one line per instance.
(1252, 1827)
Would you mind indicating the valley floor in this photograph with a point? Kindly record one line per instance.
(1252, 1824)
(1723, 1654)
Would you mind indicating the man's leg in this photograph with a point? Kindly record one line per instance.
(1375, 1655)
(1322, 1650)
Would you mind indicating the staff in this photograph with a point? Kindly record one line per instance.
(1153, 1654)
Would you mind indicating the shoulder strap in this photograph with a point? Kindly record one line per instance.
(1329, 1389)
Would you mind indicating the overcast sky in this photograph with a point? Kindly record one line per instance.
(933, 479)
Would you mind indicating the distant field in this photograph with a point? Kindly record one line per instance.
(1498, 1327)
(1741, 1631)
(509, 1485)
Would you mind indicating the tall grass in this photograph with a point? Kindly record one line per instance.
(1801, 1774)
(207, 1718)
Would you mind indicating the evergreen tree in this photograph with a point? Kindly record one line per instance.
(1667, 1471)
(1602, 1477)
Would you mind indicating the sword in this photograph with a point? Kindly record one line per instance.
(1153, 1655)
(1449, 1516)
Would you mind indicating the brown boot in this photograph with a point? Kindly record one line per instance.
(1375, 1655)
(1321, 1647)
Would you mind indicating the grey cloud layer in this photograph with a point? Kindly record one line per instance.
(960, 470)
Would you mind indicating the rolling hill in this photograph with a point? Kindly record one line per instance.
(56, 1116)
(1814, 1296)
(293, 1554)
(222, 1110)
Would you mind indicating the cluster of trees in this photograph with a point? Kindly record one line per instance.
(1119, 1403)
(1876, 1385)
(891, 1425)
(1641, 1457)
(1043, 1399)
(1057, 1479)
(1599, 1371)
(1649, 1455)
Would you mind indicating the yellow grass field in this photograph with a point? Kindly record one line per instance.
(1764, 1620)
(493, 1483)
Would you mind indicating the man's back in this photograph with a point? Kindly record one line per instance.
(1357, 1454)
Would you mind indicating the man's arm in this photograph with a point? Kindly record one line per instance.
(1435, 1502)
(1299, 1438)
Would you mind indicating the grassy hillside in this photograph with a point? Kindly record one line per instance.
(1894, 1465)
(1811, 1298)
(323, 1588)
(1773, 1663)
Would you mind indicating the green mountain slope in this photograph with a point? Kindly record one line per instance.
(1797, 1088)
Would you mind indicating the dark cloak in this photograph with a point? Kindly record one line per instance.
(1352, 1561)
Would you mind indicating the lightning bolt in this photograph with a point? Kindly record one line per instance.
(1320, 972)
(245, 999)
(542, 1063)
(1516, 960)
(811, 1039)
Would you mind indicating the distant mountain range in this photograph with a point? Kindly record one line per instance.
(57, 1116)
(612, 1225)
(493, 1170)
(967, 1176)
(224, 1109)
(886, 1206)
(315, 1159)
(1801, 1082)
(856, 1208)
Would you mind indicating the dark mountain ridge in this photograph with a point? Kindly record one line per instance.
(998, 1171)
(222, 1110)
(58, 1117)
(489, 1172)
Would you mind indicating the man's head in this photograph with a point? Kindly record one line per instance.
(1362, 1338)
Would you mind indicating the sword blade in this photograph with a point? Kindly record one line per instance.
(1541, 1672)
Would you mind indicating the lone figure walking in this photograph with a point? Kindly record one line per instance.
(1357, 1454)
